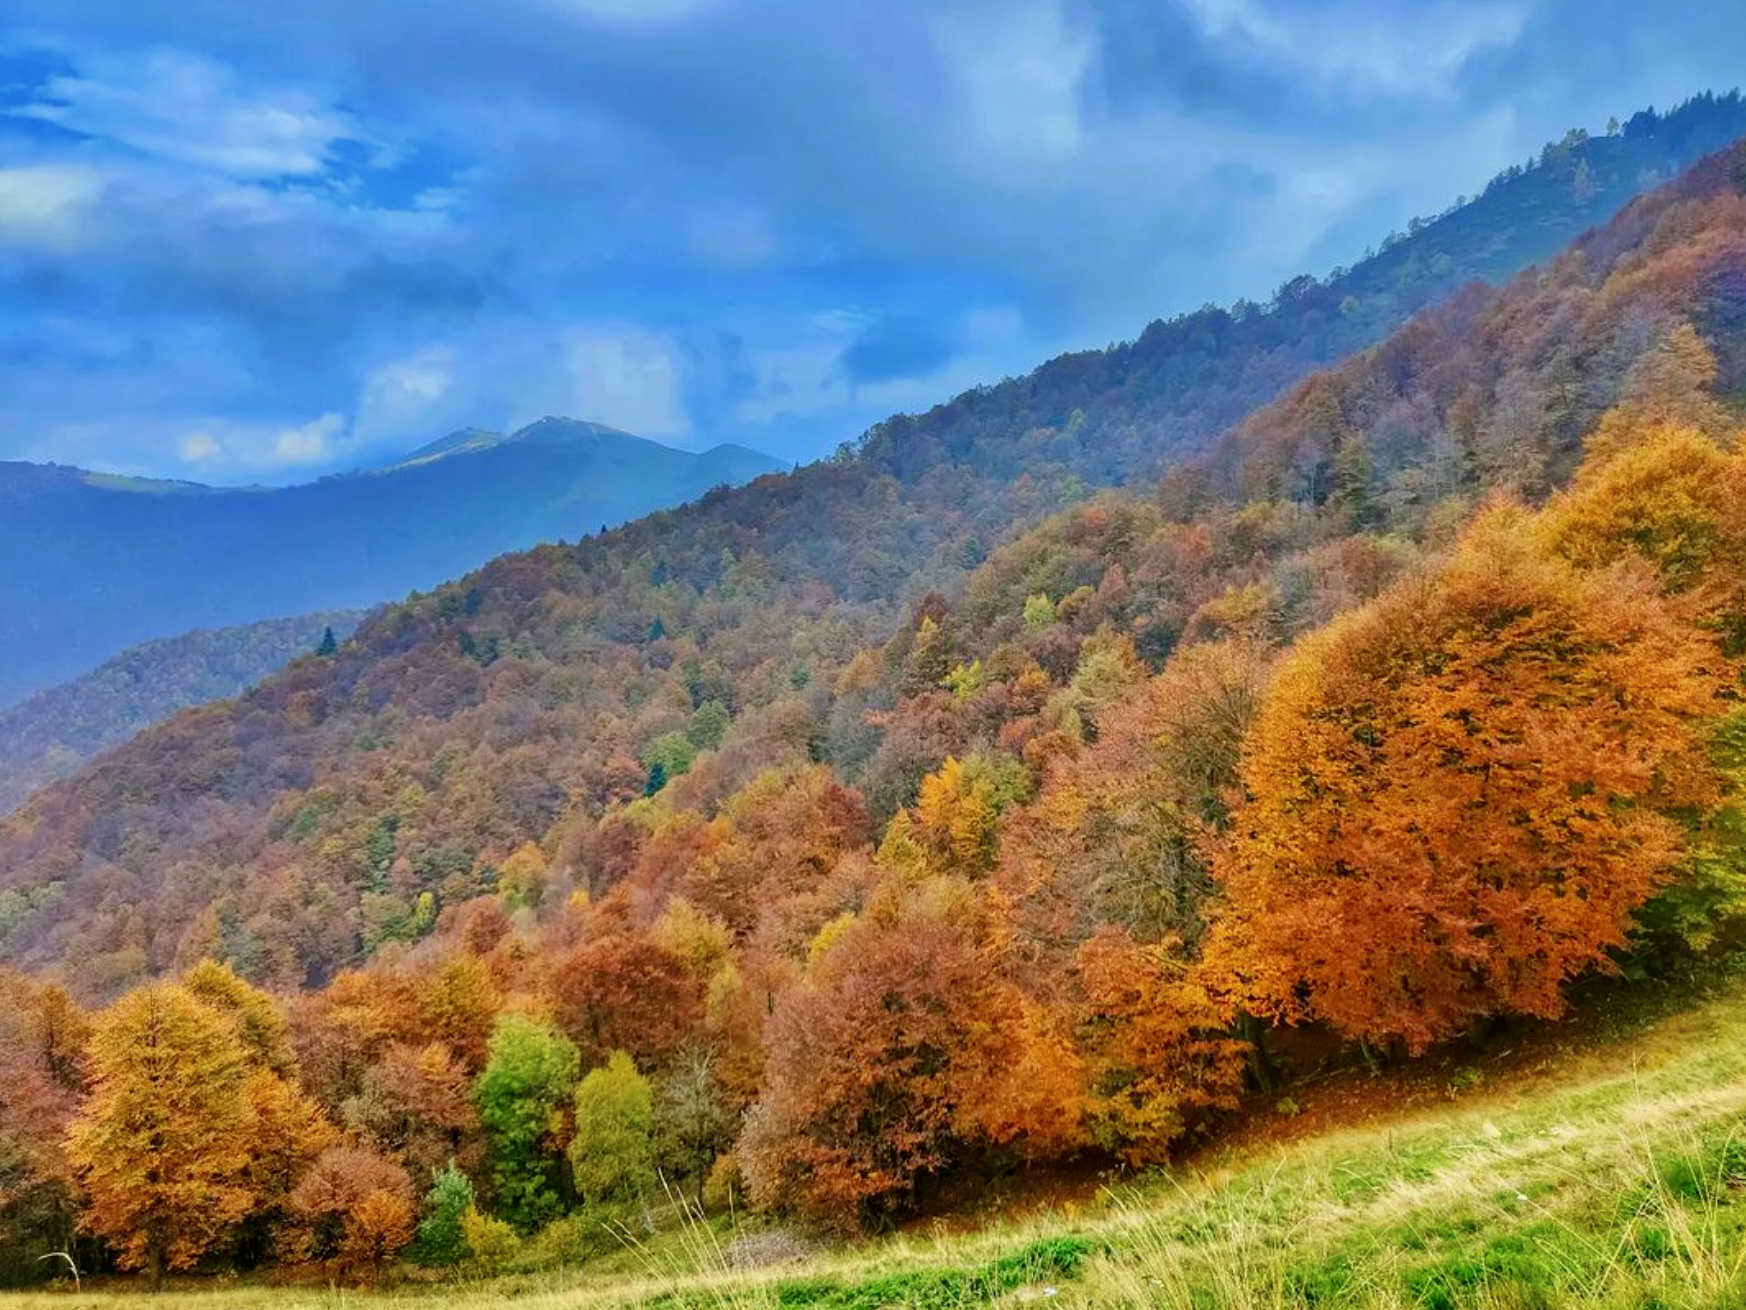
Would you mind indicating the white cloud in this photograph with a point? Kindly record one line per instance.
(400, 395)
(46, 206)
(312, 443)
(178, 106)
(628, 377)
(200, 448)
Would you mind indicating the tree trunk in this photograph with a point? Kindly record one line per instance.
(1260, 1063)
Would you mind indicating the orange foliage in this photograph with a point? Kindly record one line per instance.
(904, 1049)
(1459, 794)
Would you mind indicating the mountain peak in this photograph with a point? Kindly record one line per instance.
(555, 427)
(457, 442)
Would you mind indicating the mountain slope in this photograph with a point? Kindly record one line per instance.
(96, 564)
(294, 829)
(50, 734)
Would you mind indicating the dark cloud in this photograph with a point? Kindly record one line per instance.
(771, 222)
(897, 347)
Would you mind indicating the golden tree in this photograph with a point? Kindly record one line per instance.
(163, 1144)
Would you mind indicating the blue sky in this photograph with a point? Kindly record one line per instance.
(249, 241)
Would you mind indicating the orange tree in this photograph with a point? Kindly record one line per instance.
(1459, 795)
(904, 1050)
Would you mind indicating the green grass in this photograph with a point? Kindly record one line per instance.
(1614, 1180)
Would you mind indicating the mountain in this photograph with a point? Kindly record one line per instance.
(99, 563)
(859, 614)
(50, 734)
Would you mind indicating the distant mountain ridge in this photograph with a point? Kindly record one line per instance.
(97, 563)
(48, 735)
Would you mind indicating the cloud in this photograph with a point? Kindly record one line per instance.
(174, 105)
(311, 443)
(627, 377)
(403, 393)
(47, 206)
(654, 212)
(200, 448)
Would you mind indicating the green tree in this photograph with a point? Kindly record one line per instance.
(708, 725)
(530, 1076)
(442, 1239)
(328, 643)
(612, 1155)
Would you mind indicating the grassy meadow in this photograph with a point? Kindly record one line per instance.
(1610, 1172)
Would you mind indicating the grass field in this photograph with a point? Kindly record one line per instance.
(1614, 1176)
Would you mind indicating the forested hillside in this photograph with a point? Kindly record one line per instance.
(298, 827)
(54, 732)
(717, 842)
(98, 564)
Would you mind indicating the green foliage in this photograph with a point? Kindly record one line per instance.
(529, 1077)
(671, 752)
(612, 1153)
(1039, 612)
(442, 1239)
(1049, 1260)
(966, 680)
(709, 725)
(491, 1243)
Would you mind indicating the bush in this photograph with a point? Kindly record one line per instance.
(491, 1242)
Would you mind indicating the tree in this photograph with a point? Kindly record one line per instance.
(415, 1104)
(693, 1126)
(441, 1239)
(354, 1208)
(42, 1038)
(905, 1050)
(528, 1082)
(258, 1021)
(163, 1145)
(622, 991)
(328, 644)
(522, 878)
(291, 1132)
(1117, 834)
(956, 818)
(612, 1153)
(490, 1242)
(1153, 1044)
(1460, 795)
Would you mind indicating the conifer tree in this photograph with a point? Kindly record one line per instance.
(163, 1145)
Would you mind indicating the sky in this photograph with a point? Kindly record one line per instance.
(259, 242)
